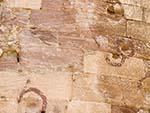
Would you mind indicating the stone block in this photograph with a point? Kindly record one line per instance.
(40, 54)
(91, 107)
(53, 15)
(29, 4)
(120, 91)
(84, 88)
(133, 12)
(109, 89)
(95, 62)
(138, 30)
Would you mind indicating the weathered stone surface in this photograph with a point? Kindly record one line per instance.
(145, 84)
(88, 107)
(31, 4)
(53, 15)
(147, 15)
(8, 105)
(108, 24)
(145, 3)
(31, 105)
(84, 88)
(109, 43)
(91, 62)
(95, 62)
(22, 17)
(46, 36)
(11, 84)
(9, 63)
(84, 16)
(147, 65)
(138, 30)
(110, 89)
(133, 12)
(51, 57)
(54, 85)
(120, 91)
(79, 44)
(76, 56)
(133, 2)
(119, 109)
(57, 106)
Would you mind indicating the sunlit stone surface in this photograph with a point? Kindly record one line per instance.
(74, 56)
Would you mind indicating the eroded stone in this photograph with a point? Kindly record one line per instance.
(119, 109)
(95, 62)
(105, 88)
(138, 30)
(51, 57)
(107, 24)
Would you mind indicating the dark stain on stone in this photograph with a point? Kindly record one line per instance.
(115, 60)
(123, 109)
(18, 58)
(116, 9)
(43, 112)
(44, 35)
(125, 47)
(1, 0)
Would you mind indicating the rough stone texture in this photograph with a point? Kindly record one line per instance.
(94, 62)
(133, 12)
(140, 48)
(146, 15)
(108, 24)
(132, 2)
(53, 15)
(120, 91)
(74, 56)
(138, 30)
(52, 57)
(117, 109)
(104, 88)
(145, 3)
(84, 88)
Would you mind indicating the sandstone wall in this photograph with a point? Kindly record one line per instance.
(74, 56)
